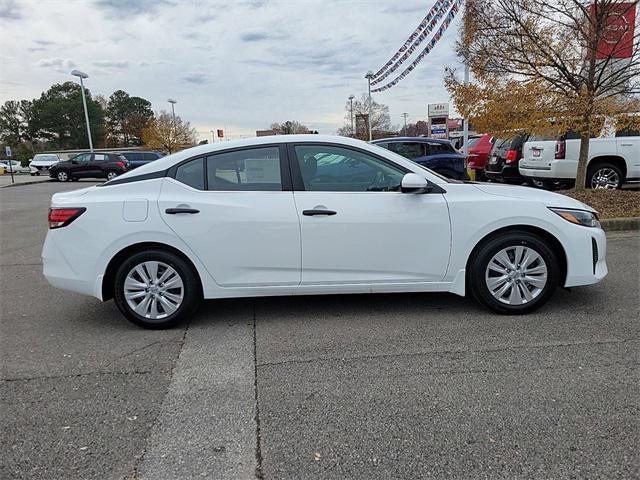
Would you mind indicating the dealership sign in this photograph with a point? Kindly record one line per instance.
(618, 32)
(438, 109)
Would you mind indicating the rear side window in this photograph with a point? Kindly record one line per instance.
(256, 169)
(134, 156)
(628, 132)
(149, 156)
(408, 149)
(192, 173)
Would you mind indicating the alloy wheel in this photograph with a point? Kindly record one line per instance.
(154, 290)
(62, 176)
(111, 175)
(516, 275)
(605, 178)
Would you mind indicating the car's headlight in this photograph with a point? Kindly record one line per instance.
(579, 217)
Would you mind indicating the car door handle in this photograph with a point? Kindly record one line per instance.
(173, 211)
(626, 144)
(319, 211)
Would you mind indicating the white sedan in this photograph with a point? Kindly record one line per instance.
(310, 214)
(15, 165)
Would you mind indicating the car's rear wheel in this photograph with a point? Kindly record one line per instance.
(62, 176)
(111, 174)
(156, 289)
(604, 176)
(513, 273)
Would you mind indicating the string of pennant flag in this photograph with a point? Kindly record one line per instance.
(384, 72)
(421, 32)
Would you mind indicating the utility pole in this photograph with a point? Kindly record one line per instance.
(213, 136)
(405, 115)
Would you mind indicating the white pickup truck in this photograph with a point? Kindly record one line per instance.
(613, 161)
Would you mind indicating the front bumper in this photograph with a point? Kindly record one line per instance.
(586, 262)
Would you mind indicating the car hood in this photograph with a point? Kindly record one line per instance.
(550, 199)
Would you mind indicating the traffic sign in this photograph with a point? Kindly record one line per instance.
(7, 151)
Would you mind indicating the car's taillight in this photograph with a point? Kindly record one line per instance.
(61, 217)
(561, 148)
(120, 165)
(512, 156)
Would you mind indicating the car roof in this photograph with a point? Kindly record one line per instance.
(168, 161)
(411, 139)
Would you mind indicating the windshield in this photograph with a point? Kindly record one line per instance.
(385, 153)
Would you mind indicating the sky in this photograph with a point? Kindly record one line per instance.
(236, 65)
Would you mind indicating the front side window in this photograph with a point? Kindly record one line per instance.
(192, 173)
(327, 168)
(85, 157)
(408, 149)
(256, 169)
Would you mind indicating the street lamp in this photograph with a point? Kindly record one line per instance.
(81, 76)
(369, 76)
(353, 130)
(173, 115)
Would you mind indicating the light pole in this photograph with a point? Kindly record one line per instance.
(213, 136)
(405, 115)
(369, 76)
(173, 114)
(81, 76)
(353, 129)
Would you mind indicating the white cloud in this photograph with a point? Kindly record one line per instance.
(238, 65)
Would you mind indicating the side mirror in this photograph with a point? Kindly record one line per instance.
(414, 183)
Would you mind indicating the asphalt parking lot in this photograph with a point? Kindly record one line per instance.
(384, 386)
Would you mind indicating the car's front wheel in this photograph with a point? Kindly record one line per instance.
(62, 176)
(513, 273)
(156, 289)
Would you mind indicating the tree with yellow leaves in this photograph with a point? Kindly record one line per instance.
(162, 133)
(550, 65)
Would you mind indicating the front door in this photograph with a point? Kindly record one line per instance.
(81, 165)
(357, 227)
(236, 212)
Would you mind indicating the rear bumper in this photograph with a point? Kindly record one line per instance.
(555, 169)
(60, 273)
(507, 173)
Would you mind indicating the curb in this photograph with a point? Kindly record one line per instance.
(30, 182)
(618, 224)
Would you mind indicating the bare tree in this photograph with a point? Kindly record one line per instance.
(574, 58)
(380, 119)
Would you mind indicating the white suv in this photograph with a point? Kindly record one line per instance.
(613, 161)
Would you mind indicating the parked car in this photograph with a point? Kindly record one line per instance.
(41, 162)
(285, 215)
(433, 153)
(90, 165)
(504, 158)
(16, 166)
(137, 158)
(478, 154)
(613, 161)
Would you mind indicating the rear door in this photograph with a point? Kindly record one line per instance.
(98, 165)
(357, 227)
(539, 152)
(235, 210)
(628, 146)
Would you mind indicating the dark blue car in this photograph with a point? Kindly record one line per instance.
(433, 153)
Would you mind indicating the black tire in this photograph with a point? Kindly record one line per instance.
(596, 171)
(478, 264)
(62, 176)
(192, 291)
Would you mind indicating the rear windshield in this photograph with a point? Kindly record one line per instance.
(474, 141)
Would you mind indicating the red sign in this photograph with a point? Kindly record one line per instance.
(618, 33)
(220, 133)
